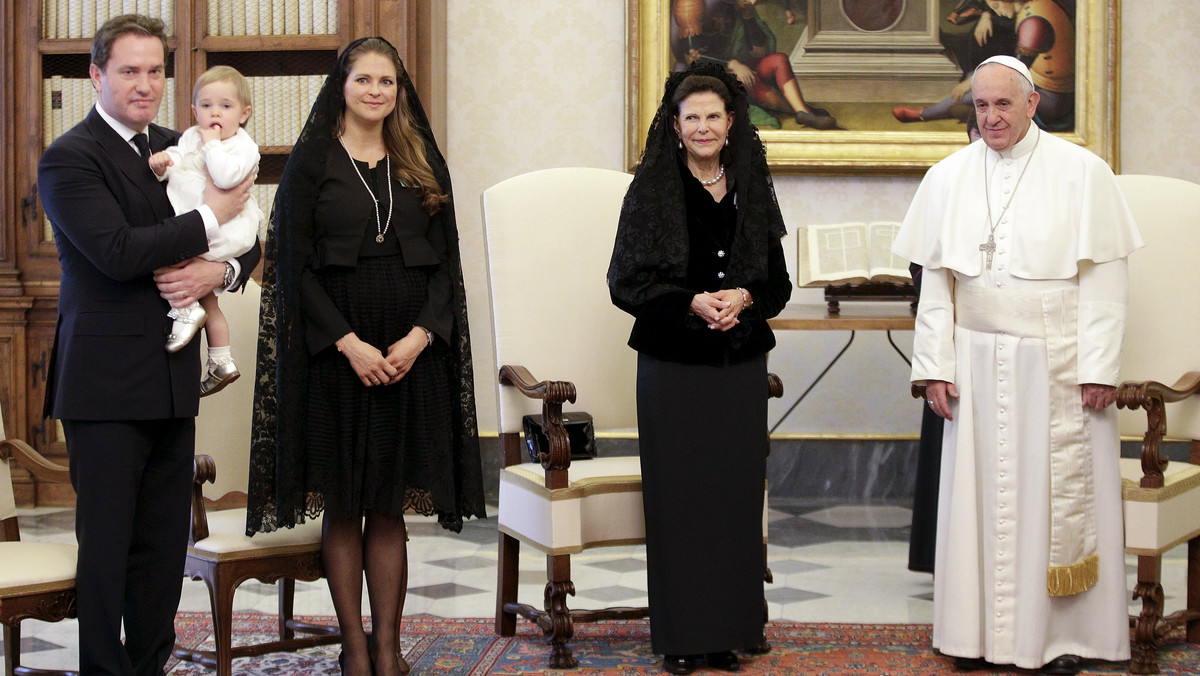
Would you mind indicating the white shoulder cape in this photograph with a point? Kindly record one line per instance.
(1068, 208)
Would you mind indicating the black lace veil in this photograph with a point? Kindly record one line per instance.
(650, 255)
(277, 495)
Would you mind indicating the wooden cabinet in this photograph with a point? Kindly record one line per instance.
(31, 61)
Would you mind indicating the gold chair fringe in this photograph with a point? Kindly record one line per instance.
(1073, 579)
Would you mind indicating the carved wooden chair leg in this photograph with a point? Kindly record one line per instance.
(287, 597)
(223, 626)
(12, 649)
(506, 585)
(1145, 634)
(560, 627)
(1193, 590)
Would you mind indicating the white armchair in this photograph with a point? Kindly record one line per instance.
(549, 237)
(37, 579)
(1160, 364)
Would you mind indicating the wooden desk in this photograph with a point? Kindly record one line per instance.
(853, 317)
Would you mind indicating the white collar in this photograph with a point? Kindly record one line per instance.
(1020, 148)
(122, 131)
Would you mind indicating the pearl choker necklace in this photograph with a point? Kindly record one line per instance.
(720, 175)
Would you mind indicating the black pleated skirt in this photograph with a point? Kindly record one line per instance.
(384, 448)
(702, 433)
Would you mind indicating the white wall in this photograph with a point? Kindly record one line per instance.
(533, 84)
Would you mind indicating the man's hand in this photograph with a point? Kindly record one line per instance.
(1098, 397)
(743, 73)
(184, 284)
(939, 393)
(983, 28)
(960, 90)
(226, 204)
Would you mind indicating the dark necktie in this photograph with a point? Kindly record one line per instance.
(143, 144)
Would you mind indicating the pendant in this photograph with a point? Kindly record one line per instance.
(989, 248)
(379, 238)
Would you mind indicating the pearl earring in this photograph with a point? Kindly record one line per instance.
(681, 144)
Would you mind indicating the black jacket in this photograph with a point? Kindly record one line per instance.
(113, 226)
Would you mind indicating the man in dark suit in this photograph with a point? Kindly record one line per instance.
(127, 405)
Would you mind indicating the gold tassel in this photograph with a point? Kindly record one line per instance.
(1073, 579)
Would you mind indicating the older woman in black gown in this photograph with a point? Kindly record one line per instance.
(699, 264)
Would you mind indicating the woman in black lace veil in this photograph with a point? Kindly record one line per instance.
(698, 262)
(364, 403)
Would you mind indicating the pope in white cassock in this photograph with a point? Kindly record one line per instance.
(1018, 339)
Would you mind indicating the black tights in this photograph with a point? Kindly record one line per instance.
(379, 549)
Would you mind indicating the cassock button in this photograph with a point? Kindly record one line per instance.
(721, 253)
(720, 275)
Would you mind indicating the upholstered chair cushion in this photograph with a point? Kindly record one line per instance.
(1158, 519)
(227, 538)
(36, 567)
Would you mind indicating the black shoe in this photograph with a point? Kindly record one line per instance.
(1064, 664)
(725, 661)
(971, 664)
(761, 649)
(680, 664)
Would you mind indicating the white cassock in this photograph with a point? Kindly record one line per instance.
(1049, 313)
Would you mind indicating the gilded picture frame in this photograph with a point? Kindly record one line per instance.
(885, 147)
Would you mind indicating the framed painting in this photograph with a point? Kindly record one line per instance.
(877, 86)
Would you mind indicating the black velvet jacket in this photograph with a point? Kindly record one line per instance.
(665, 327)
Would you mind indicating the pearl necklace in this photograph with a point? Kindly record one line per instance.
(720, 175)
(380, 232)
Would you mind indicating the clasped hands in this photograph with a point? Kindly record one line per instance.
(375, 368)
(938, 394)
(719, 309)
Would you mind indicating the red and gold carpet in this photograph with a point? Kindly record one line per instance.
(469, 647)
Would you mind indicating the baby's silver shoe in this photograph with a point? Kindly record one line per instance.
(188, 321)
(219, 375)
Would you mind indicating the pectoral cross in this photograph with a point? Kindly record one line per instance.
(990, 248)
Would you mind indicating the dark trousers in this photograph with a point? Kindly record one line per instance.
(132, 515)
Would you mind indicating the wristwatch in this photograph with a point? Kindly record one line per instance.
(230, 275)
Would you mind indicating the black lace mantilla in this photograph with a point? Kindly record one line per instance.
(650, 255)
(277, 495)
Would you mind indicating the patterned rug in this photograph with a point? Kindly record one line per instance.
(469, 647)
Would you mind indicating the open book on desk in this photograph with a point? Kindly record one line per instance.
(849, 254)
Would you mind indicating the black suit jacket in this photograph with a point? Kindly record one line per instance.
(113, 226)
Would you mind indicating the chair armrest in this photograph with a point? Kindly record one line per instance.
(30, 459)
(774, 386)
(204, 470)
(1152, 396)
(552, 393)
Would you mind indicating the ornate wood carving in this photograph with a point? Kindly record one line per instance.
(1150, 627)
